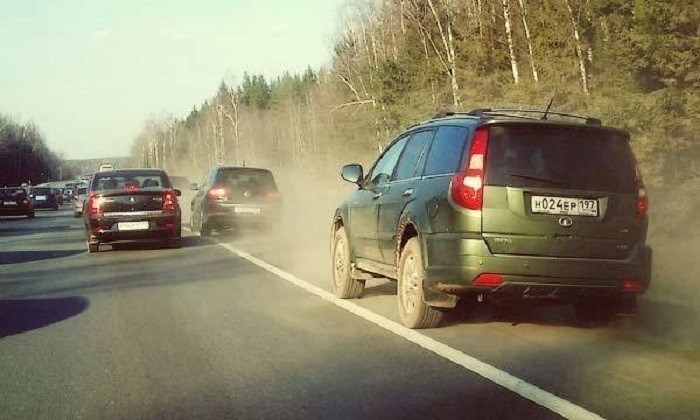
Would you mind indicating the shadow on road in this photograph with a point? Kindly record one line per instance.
(21, 315)
(25, 229)
(187, 242)
(16, 257)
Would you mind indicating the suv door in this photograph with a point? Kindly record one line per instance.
(399, 192)
(364, 205)
(561, 191)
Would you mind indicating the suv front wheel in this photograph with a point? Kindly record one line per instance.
(344, 286)
(413, 310)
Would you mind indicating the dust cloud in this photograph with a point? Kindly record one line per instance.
(669, 313)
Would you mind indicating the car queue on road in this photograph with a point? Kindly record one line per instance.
(487, 204)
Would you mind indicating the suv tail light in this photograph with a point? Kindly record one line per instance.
(631, 286)
(467, 187)
(94, 205)
(169, 201)
(642, 199)
(25, 201)
(218, 194)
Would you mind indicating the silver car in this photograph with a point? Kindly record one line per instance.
(79, 201)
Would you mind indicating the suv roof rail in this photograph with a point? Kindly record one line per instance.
(481, 112)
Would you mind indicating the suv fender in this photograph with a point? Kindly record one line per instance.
(417, 225)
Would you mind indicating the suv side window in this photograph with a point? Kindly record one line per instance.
(447, 150)
(384, 168)
(412, 154)
(207, 179)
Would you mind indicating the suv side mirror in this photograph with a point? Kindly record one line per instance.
(193, 186)
(352, 173)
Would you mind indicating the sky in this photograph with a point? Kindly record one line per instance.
(89, 73)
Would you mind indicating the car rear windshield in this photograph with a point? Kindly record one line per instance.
(14, 193)
(129, 180)
(581, 158)
(239, 179)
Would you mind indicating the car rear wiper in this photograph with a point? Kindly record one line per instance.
(536, 178)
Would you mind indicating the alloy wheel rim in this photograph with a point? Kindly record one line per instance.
(409, 284)
(340, 264)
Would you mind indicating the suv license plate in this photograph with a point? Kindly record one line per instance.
(40, 198)
(564, 206)
(132, 225)
(249, 210)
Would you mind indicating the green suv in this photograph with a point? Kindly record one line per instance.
(498, 204)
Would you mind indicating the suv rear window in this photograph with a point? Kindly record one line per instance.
(580, 158)
(239, 179)
(14, 193)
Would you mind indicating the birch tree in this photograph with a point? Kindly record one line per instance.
(511, 48)
(579, 49)
(523, 15)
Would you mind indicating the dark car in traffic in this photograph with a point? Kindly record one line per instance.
(15, 202)
(233, 196)
(498, 205)
(44, 198)
(131, 205)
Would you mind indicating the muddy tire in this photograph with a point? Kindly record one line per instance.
(198, 225)
(344, 286)
(30, 215)
(413, 311)
(92, 247)
(204, 229)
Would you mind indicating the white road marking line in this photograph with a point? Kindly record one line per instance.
(533, 393)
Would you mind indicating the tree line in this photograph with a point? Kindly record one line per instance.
(24, 155)
(634, 63)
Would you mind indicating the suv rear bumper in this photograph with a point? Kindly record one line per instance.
(527, 276)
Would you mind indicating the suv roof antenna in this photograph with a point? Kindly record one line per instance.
(544, 117)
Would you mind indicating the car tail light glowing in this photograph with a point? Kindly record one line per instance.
(94, 205)
(272, 196)
(488, 279)
(169, 201)
(642, 199)
(467, 187)
(25, 202)
(631, 286)
(218, 194)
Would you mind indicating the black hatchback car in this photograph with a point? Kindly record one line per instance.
(501, 205)
(129, 205)
(232, 196)
(44, 198)
(16, 202)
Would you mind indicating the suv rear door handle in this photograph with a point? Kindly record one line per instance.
(377, 195)
(408, 192)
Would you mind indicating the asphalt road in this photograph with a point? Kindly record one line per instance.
(198, 332)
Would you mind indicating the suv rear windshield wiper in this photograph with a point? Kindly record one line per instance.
(535, 178)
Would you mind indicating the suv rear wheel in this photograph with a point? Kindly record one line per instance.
(344, 286)
(92, 247)
(413, 310)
